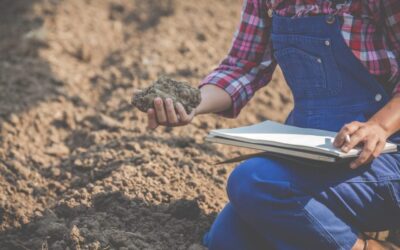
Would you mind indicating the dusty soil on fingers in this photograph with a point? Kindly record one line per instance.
(78, 168)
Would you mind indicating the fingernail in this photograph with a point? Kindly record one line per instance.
(345, 148)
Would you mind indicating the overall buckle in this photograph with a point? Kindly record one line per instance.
(330, 19)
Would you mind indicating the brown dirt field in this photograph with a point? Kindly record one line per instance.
(78, 169)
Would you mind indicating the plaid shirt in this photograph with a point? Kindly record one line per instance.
(370, 28)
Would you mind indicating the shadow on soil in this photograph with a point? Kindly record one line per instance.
(25, 79)
(146, 14)
(111, 221)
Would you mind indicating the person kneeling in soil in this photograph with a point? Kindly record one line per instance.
(341, 60)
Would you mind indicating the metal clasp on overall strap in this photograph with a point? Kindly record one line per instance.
(270, 13)
(330, 19)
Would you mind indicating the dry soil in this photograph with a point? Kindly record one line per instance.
(178, 92)
(78, 169)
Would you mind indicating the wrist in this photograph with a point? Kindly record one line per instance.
(200, 110)
(204, 105)
(214, 99)
(381, 126)
(388, 118)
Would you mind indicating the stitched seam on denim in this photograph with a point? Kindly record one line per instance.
(297, 37)
(315, 221)
(393, 196)
(391, 193)
(382, 180)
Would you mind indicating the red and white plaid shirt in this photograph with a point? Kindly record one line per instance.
(371, 28)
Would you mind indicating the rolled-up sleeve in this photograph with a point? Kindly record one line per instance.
(392, 18)
(249, 64)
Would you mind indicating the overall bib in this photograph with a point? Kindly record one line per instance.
(276, 205)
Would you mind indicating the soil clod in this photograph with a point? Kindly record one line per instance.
(165, 88)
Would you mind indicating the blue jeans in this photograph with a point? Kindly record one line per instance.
(275, 204)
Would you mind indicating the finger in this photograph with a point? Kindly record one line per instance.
(171, 114)
(347, 129)
(160, 111)
(356, 138)
(192, 114)
(379, 148)
(366, 153)
(152, 120)
(356, 165)
(184, 117)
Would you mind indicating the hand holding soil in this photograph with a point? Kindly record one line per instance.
(168, 102)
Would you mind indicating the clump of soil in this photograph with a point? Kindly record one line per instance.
(165, 88)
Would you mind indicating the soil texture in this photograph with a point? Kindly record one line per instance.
(78, 167)
(178, 92)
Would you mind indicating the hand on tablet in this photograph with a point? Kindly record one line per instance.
(370, 135)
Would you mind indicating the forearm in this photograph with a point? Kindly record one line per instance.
(389, 116)
(213, 100)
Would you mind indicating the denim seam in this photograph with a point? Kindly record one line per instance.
(301, 38)
(393, 196)
(381, 180)
(330, 238)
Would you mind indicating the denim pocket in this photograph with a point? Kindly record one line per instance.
(303, 72)
(308, 73)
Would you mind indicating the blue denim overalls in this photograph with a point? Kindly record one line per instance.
(276, 205)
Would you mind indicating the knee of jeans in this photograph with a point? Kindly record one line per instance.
(241, 180)
(216, 240)
(260, 181)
